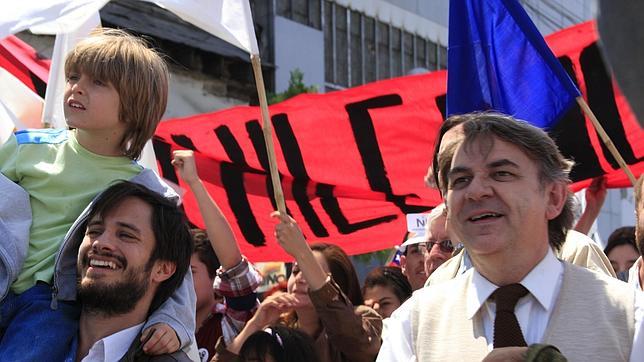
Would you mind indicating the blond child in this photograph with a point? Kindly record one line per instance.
(115, 95)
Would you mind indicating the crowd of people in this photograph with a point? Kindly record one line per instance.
(100, 263)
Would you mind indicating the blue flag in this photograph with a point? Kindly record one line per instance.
(498, 60)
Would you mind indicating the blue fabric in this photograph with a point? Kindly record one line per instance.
(71, 354)
(31, 331)
(498, 60)
(41, 136)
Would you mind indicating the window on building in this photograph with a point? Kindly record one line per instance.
(442, 57)
(341, 47)
(432, 54)
(383, 55)
(314, 14)
(359, 49)
(371, 60)
(408, 52)
(306, 12)
(329, 44)
(356, 49)
(421, 53)
(396, 52)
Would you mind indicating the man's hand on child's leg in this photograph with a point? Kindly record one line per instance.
(163, 340)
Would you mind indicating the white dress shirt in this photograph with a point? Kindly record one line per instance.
(114, 346)
(634, 274)
(534, 310)
(543, 284)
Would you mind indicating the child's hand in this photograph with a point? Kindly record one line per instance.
(272, 307)
(184, 162)
(163, 340)
(289, 235)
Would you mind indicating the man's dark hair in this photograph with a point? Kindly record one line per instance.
(204, 252)
(171, 231)
(534, 142)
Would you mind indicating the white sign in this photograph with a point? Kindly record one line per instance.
(416, 223)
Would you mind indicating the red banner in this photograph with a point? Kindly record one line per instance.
(21, 60)
(352, 162)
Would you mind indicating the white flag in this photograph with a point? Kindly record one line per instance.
(230, 20)
(46, 16)
(20, 107)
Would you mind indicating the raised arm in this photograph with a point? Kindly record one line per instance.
(354, 331)
(595, 196)
(219, 232)
(291, 239)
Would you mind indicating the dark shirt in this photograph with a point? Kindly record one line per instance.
(208, 334)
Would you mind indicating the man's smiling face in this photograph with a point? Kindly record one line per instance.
(496, 202)
(114, 256)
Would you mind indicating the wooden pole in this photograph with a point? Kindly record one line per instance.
(607, 141)
(268, 134)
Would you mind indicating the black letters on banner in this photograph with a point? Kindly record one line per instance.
(295, 164)
(441, 104)
(297, 168)
(163, 153)
(257, 138)
(232, 178)
(601, 99)
(184, 141)
(365, 136)
(571, 136)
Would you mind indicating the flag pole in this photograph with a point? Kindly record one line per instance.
(268, 134)
(604, 137)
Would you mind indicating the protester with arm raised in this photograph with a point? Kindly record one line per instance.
(320, 304)
(234, 277)
(217, 227)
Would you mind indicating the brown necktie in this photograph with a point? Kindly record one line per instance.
(507, 332)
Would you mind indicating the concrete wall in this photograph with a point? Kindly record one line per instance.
(298, 46)
(191, 95)
(552, 15)
(434, 10)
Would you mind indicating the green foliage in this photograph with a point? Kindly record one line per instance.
(295, 86)
(377, 257)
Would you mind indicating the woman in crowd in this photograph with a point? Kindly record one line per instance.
(621, 250)
(323, 301)
(385, 289)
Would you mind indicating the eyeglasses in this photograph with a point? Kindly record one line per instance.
(446, 246)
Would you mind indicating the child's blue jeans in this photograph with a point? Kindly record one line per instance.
(31, 331)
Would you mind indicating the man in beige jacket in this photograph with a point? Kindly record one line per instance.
(506, 190)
